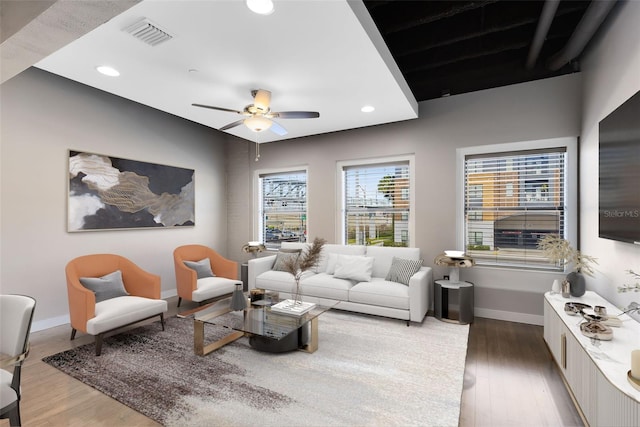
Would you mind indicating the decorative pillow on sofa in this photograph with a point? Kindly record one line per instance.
(105, 287)
(282, 257)
(402, 269)
(202, 267)
(332, 259)
(354, 267)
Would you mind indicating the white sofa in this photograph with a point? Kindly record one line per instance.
(377, 296)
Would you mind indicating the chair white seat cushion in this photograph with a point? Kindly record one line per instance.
(116, 312)
(211, 287)
(381, 292)
(7, 394)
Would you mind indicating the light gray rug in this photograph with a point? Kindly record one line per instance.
(368, 371)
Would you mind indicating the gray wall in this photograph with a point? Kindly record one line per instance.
(611, 76)
(42, 117)
(532, 111)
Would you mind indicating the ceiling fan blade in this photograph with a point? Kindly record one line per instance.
(217, 108)
(296, 114)
(232, 125)
(277, 129)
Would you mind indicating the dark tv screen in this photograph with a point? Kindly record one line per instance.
(619, 185)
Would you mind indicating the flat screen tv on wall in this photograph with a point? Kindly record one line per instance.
(619, 189)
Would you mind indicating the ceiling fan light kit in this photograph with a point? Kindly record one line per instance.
(257, 123)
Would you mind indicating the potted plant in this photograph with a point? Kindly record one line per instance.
(559, 250)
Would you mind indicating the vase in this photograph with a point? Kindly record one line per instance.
(238, 301)
(577, 283)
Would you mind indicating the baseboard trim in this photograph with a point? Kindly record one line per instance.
(52, 322)
(510, 316)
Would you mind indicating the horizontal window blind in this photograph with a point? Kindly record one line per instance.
(283, 200)
(377, 204)
(511, 201)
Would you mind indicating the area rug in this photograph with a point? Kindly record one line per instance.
(368, 371)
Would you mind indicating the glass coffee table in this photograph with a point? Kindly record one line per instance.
(267, 329)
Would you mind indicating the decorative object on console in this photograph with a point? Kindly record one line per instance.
(238, 301)
(560, 251)
(454, 260)
(253, 248)
(307, 260)
(556, 287)
(565, 288)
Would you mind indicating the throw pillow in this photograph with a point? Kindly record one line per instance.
(202, 268)
(354, 267)
(332, 259)
(402, 269)
(105, 287)
(282, 257)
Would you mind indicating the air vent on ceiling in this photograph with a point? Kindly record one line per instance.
(148, 32)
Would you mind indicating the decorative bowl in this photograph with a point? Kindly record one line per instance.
(454, 254)
(574, 308)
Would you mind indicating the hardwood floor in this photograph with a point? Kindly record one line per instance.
(510, 380)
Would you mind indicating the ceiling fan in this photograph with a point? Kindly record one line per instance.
(259, 115)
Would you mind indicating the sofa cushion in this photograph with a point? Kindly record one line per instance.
(384, 257)
(202, 267)
(277, 281)
(331, 248)
(381, 292)
(211, 287)
(283, 256)
(402, 269)
(323, 285)
(105, 287)
(354, 267)
(116, 312)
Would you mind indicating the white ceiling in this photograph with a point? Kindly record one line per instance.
(324, 56)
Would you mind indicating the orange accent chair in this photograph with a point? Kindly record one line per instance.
(98, 318)
(193, 288)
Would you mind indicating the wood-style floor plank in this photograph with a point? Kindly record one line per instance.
(510, 380)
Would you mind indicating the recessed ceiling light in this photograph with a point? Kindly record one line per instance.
(108, 71)
(262, 7)
(367, 109)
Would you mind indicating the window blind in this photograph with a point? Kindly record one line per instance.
(377, 204)
(283, 198)
(511, 201)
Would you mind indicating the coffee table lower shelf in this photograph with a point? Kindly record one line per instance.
(261, 343)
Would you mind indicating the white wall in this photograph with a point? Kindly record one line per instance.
(42, 117)
(537, 110)
(611, 76)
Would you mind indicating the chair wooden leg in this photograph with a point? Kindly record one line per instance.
(98, 344)
(179, 301)
(162, 320)
(73, 334)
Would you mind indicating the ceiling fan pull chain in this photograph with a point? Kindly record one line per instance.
(257, 149)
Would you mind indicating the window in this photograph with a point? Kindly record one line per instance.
(377, 203)
(283, 208)
(513, 199)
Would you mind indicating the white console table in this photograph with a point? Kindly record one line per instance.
(596, 375)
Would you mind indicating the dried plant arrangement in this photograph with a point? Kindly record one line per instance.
(309, 258)
(559, 250)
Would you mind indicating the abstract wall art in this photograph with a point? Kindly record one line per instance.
(109, 193)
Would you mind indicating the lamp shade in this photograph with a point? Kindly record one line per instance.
(257, 123)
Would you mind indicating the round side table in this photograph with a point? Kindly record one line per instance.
(465, 301)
